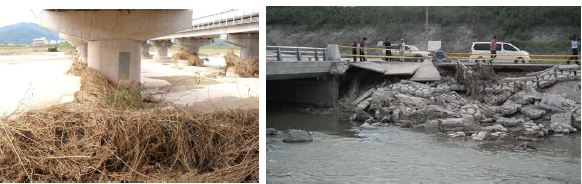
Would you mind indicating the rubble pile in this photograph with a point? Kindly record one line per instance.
(507, 108)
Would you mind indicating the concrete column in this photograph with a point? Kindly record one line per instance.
(119, 60)
(82, 50)
(248, 43)
(114, 36)
(193, 44)
(145, 50)
(162, 56)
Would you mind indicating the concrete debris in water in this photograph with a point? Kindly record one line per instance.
(509, 108)
(272, 131)
(561, 123)
(297, 136)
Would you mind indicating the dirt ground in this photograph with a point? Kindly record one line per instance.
(40, 80)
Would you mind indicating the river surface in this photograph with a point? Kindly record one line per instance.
(344, 153)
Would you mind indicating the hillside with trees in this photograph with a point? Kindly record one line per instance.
(25, 33)
(535, 29)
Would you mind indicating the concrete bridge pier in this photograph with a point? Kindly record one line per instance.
(116, 59)
(82, 50)
(193, 44)
(115, 36)
(248, 43)
(162, 45)
(145, 50)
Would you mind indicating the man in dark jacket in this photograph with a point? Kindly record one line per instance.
(362, 49)
(355, 50)
(388, 46)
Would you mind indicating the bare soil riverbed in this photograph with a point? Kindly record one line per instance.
(41, 80)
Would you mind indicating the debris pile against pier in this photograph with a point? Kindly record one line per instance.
(476, 104)
(192, 58)
(244, 67)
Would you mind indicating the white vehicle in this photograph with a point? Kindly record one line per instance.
(506, 52)
(409, 51)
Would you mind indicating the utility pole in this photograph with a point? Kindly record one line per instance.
(426, 28)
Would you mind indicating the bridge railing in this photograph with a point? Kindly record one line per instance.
(280, 53)
(231, 17)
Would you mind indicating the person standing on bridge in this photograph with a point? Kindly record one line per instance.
(387, 46)
(355, 50)
(493, 49)
(402, 48)
(574, 43)
(363, 49)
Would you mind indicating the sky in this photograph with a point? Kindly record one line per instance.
(10, 16)
(15, 15)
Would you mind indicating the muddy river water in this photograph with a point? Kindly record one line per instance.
(344, 153)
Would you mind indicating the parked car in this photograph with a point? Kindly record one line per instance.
(410, 51)
(506, 52)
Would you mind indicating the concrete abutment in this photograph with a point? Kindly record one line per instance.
(315, 91)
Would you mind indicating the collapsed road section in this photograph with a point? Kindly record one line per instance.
(477, 103)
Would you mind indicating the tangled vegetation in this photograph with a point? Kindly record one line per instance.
(110, 134)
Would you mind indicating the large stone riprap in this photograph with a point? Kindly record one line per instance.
(297, 136)
(531, 129)
(509, 108)
(458, 124)
(509, 122)
(531, 112)
(432, 112)
(562, 123)
(497, 94)
(472, 110)
(414, 89)
(450, 99)
(556, 103)
(576, 118)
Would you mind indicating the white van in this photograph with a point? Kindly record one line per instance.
(506, 52)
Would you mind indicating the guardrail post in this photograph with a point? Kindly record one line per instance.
(298, 54)
(316, 55)
(278, 54)
(324, 55)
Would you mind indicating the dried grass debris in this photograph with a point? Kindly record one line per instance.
(244, 67)
(192, 58)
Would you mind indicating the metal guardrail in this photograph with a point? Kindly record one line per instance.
(380, 56)
(299, 53)
(556, 58)
(230, 17)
